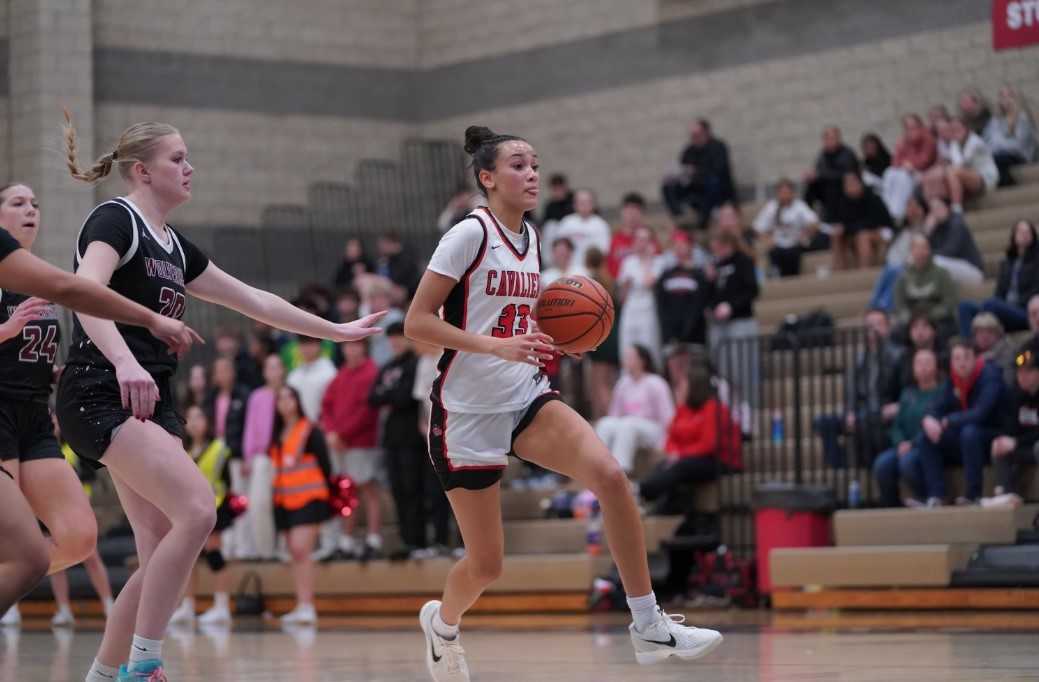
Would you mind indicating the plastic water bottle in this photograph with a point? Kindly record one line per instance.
(854, 494)
(777, 427)
(593, 536)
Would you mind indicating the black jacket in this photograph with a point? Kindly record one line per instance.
(234, 427)
(736, 284)
(868, 212)
(392, 389)
(953, 239)
(833, 165)
(710, 160)
(401, 270)
(1027, 279)
(1021, 418)
(557, 209)
(682, 294)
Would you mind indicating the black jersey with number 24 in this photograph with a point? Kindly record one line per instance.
(150, 272)
(27, 358)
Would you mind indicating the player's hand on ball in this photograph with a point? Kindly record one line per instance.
(358, 329)
(175, 334)
(534, 348)
(137, 388)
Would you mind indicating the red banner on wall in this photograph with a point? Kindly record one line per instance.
(1015, 23)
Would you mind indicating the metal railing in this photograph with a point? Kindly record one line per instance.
(792, 396)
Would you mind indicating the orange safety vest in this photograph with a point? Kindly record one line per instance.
(298, 479)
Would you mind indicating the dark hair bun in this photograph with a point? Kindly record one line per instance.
(476, 137)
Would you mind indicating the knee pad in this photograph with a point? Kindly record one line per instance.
(215, 559)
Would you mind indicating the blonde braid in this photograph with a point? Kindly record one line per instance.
(101, 168)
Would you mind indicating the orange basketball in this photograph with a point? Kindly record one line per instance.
(577, 312)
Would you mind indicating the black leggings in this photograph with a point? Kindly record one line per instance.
(669, 476)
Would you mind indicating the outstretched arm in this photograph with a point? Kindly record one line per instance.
(25, 273)
(216, 286)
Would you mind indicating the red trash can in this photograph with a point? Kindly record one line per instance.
(790, 515)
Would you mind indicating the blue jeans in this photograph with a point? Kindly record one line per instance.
(889, 468)
(884, 289)
(1013, 318)
(968, 445)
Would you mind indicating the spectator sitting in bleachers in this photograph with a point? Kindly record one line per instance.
(860, 218)
(1017, 445)
(564, 263)
(953, 244)
(728, 219)
(936, 116)
(560, 203)
(916, 150)
(974, 110)
(864, 393)
(635, 285)
(584, 227)
(196, 388)
(790, 228)
(347, 305)
(354, 263)
(897, 255)
(622, 243)
(961, 424)
(1018, 281)
(702, 442)
(965, 168)
(704, 180)
(876, 159)
(922, 336)
(992, 344)
(902, 462)
(290, 351)
(683, 296)
(825, 183)
(640, 410)
(1010, 135)
(397, 266)
(925, 287)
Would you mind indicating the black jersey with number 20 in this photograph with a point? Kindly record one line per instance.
(150, 271)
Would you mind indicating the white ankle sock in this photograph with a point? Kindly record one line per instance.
(144, 649)
(443, 629)
(643, 610)
(221, 600)
(99, 672)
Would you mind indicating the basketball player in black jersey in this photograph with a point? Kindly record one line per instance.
(29, 338)
(24, 553)
(115, 401)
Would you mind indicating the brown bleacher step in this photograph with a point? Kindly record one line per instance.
(563, 536)
(537, 573)
(945, 525)
(880, 566)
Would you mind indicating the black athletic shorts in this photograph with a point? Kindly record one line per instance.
(460, 442)
(26, 432)
(90, 408)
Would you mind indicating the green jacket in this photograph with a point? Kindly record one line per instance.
(931, 289)
(912, 406)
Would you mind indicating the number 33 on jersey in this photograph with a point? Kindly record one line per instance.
(498, 281)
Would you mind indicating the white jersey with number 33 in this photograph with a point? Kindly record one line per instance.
(498, 276)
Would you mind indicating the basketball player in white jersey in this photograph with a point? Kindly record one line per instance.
(491, 399)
